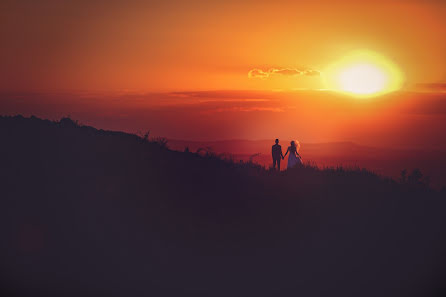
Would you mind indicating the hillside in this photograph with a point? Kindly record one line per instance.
(87, 212)
(382, 160)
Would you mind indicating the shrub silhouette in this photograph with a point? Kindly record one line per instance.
(161, 141)
(68, 122)
(415, 176)
(403, 178)
(88, 212)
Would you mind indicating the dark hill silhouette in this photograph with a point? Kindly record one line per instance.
(382, 160)
(87, 212)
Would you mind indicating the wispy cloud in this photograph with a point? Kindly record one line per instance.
(243, 109)
(430, 87)
(264, 74)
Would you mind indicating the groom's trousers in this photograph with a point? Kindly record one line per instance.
(276, 160)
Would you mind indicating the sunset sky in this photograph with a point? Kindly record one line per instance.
(226, 69)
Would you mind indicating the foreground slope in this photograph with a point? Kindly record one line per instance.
(91, 212)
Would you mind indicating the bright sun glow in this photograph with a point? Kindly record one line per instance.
(363, 74)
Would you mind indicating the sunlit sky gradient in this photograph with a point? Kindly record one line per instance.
(180, 68)
(202, 45)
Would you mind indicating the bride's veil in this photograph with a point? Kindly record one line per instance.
(297, 143)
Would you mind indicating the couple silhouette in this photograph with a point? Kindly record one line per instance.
(294, 158)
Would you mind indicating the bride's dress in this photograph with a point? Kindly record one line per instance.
(293, 160)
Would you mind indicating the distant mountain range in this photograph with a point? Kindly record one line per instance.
(385, 161)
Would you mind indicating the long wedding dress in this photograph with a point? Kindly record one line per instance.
(293, 158)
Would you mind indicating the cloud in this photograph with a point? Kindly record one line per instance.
(259, 73)
(311, 72)
(244, 109)
(225, 94)
(430, 87)
(285, 71)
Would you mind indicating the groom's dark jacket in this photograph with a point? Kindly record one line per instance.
(276, 151)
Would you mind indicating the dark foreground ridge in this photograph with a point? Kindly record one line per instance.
(87, 212)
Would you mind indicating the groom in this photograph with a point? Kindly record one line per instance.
(276, 152)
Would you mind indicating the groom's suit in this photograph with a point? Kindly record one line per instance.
(277, 154)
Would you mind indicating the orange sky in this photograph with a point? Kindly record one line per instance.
(402, 119)
(207, 45)
(180, 68)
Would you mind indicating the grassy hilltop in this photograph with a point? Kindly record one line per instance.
(87, 212)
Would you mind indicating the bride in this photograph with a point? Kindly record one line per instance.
(294, 158)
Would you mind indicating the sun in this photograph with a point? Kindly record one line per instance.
(364, 79)
(363, 74)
